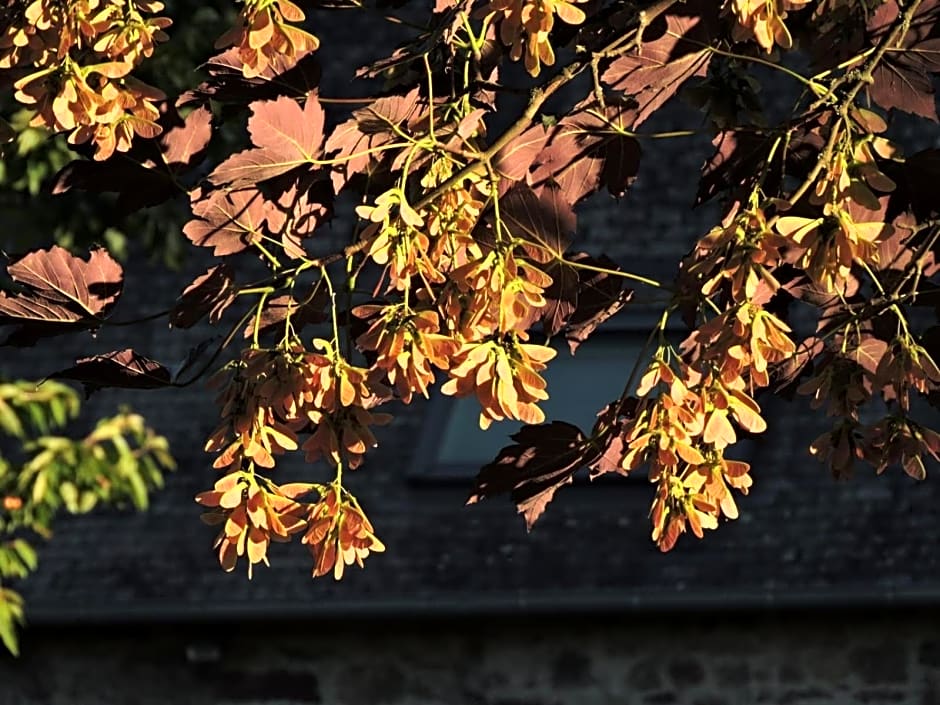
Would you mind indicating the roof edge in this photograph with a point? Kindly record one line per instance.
(436, 606)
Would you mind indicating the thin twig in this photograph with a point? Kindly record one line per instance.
(538, 98)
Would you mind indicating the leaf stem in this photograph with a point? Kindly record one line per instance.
(617, 273)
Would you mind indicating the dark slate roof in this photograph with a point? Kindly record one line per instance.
(802, 538)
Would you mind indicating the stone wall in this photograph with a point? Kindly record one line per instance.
(740, 659)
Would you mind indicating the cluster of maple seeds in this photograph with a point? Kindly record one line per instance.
(398, 243)
(473, 302)
(504, 376)
(264, 35)
(896, 440)
(492, 297)
(742, 253)
(829, 244)
(682, 432)
(525, 25)
(268, 397)
(764, 21)
(832, 248)
(686, 417)
(737, 348)
(408, 346)
(80, 56)
(902, 366)
(339, 533)
(450, 222)
(429, 245)
(906, 365)
(829, 248)
(252, 515)
(492, 294)
(254, 511)
(260, 397)
(742, 343)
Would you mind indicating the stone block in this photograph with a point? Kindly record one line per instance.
(571, 669)
(644, 675)
(929, 653)
(686, 671)
(885, 663)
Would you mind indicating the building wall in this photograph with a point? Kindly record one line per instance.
(741, 659)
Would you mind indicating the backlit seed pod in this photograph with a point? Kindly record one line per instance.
(525, 26)
(407, 345)
(339, 534)
(252, 516)
(504, 377)
(764, 21)
(263, 36)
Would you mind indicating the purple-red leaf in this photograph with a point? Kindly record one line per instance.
(229, 221)
(600, 296)
(608, 435)
(61, 292)
(352, 144)
(277, 310)
(284, 135)
(584, 152)
(306, 203)
(544, 220)
(674, 49)
(561, 297)
(740, 159)
(138, 186)
(902, 79)
(513, 161)
(210, 293)
(868, 353)
(184, 146)
(917, 180)
(543, 459)
(291, 76)
(148, 174)
(126, 369)
(735, 164)
(789, 373)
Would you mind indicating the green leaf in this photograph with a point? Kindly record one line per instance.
(138, 490)
(29, 140)
(9, 421)
(11, 614)
(17, 559)
(58, 411)
(87, 502)
(40, 486)
(69, 494)
(8, 632)
(35, 173)
(26, 553)
(37, 418)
